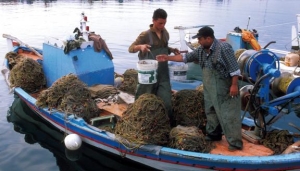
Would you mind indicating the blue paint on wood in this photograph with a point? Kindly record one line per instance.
(91, 67)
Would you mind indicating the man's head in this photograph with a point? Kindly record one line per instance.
(159, 13)
(205, 32)
(205, 37)
(159, 19)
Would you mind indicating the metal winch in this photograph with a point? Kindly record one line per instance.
(270, 94)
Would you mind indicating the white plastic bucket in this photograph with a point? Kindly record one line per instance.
(178, 72)
(147, 73)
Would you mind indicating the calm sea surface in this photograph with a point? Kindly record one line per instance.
(119, 23)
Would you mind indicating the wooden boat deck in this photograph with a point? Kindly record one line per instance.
(28, 54)
(249, 149)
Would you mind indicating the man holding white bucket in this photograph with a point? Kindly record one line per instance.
(220, 82)
(150, 43)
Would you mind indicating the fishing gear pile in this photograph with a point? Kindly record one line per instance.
(188, 108)
(103, 91)
(144, 122)
(71, 96)
(73, 44)
(13, 58)
(278, 140)
(130, 82)
(27, 74)
(238, 53)
(189, 139)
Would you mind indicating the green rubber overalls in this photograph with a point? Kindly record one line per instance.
(162, 88)
(222, 111)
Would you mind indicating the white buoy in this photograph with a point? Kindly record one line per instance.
(72, 141)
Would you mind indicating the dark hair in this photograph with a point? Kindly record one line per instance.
(159, 13)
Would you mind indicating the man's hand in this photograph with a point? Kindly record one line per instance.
(234, 91)
(145, 48)
(176, 51)
(162, 58)
(234, 88)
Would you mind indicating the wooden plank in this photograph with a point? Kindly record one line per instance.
(113, 108)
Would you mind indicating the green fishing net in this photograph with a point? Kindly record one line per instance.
(13, 58)
(277, 140)
(189, 139)
(102, 91)
(27, 74)
(144, 122)
(188, 108)
(130, 82)
(71, 96)
(238, 53)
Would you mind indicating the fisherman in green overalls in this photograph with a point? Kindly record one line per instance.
(220, 82)
(149, 44)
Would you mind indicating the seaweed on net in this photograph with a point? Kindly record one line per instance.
(144, 122)
(130, 82)
(71, 96)
(284, 83)
(188, 108)
(103, 91)
(238, 53)
(13, 58)
(189, 139)
(277, 140)
(27, 74)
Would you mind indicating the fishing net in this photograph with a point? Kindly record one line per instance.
(71, 96)
(278, 140)
(238, 53)
(27, 74)
(130, 82)
(73, 44)
(144, 122)
(103, 91)
(107, 128)
(189, 139)
(13, 58)
(188, 108)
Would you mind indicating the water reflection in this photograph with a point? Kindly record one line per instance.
(83, 1)
(87, 157)
(27, 1)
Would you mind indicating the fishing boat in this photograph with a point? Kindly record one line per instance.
(37, 131)
(92, 67)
